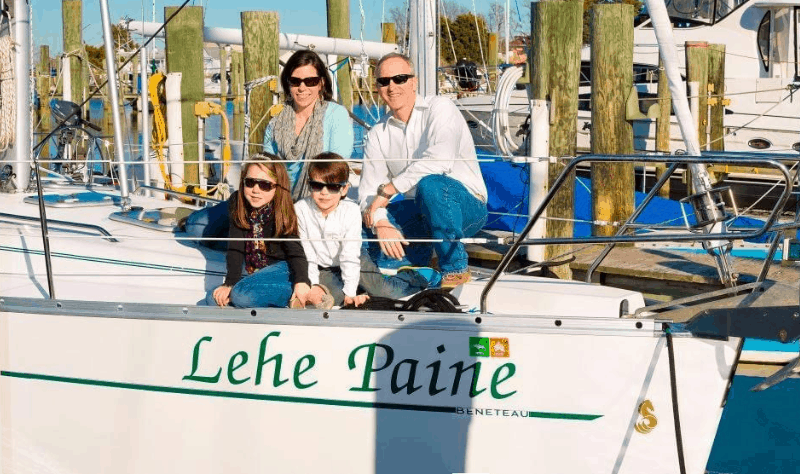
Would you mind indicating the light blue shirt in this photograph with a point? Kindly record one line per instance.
(337, 137)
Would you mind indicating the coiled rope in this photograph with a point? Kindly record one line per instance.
(8, 102)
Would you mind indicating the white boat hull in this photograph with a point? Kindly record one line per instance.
(98, 387)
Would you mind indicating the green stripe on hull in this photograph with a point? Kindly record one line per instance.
(279, 398)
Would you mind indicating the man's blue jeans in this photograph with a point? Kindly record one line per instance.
(269, 287)
(211, 221)
(442, 209)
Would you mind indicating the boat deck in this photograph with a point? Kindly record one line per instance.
(660, 272)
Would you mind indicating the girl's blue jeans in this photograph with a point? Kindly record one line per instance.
(269, 287)
(211, 221)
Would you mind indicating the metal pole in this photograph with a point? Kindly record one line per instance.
(22, 66)
(111, 70)
(424, 46)
(143, 99)
(508, 29)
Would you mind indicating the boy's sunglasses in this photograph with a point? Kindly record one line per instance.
(263, 184)
(332, 187)
(398, 79)
(308, 81)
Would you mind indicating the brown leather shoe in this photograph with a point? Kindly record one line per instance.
(452, 280)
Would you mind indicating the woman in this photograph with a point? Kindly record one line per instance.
(276, 267)
(310, 123)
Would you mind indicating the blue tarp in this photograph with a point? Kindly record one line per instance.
(508, 202)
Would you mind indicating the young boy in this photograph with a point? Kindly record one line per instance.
(330, 229)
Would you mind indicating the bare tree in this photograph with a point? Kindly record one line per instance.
(399, 16)
(451, 10)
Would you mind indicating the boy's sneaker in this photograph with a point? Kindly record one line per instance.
(452, 280)
(430, 275)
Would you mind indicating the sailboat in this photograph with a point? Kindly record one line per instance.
(107, 362)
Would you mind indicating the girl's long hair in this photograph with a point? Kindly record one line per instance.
(282, 205)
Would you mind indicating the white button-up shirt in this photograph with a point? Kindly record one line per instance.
(436, 140)
(331, 241)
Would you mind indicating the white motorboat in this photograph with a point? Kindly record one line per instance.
(761, 71)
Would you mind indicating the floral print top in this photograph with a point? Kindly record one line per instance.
(256, 256)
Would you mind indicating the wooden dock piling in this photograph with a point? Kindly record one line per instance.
(716, 79)
(223, 76)
(556, 37)
(388, 34)
(492, 53)
(184, 53)
(260, 42)
(237, 81)
(43, 89)
(72, 18)
(339, 27)
(697, 71)
(612, 133)
(663, 123)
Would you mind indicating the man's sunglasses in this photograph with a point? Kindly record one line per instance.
(398, 79)
(308, 81)
(332, 187)
(263, 184)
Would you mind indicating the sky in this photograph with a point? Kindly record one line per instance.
(303, 17)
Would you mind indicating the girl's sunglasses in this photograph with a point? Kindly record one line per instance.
(263, 184)
(308, 81)
(332, 187)
(398, 79)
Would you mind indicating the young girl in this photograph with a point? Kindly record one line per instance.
(277, 270)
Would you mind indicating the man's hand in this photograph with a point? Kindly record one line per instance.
(378, 203)
(390, 239)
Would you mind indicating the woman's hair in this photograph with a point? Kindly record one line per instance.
(323, 168)
(282, 205)
(306, 57)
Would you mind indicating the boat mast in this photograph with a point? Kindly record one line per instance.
(22, 67)
(508, 30)
(700, 179)
(111, 71)
(424, 47)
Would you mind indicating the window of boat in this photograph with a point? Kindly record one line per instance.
(763, 39)
(687, 13)
(693, 13)
(725, 7)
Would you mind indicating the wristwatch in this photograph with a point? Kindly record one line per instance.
(381, 193)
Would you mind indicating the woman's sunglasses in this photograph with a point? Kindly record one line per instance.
(308, 81)
(263, 184)
(398, 79)
(332, 187)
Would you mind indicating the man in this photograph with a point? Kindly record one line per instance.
(423, 150)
